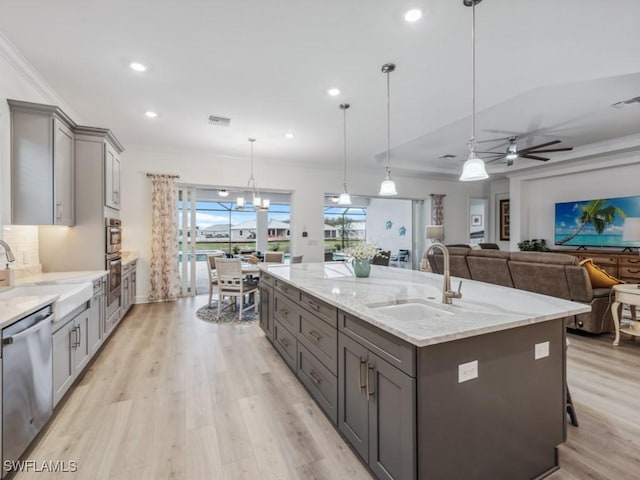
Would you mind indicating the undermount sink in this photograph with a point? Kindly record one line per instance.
(70, 296)
(414, 307)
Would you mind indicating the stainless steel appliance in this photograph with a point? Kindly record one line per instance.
(27, 387)
(114, 260)
(114, 235)
(114, 267)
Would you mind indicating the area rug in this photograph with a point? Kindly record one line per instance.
(227, 316)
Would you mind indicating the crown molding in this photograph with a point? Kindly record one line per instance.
(21, 65)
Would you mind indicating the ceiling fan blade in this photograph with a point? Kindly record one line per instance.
(493, 153)
(552, 150)
(493, 160)
(535, 147)
(501, 139)
(532, 157)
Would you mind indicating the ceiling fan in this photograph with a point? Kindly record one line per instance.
(512, 152)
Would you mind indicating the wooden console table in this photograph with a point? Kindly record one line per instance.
(625, 266)
(629, 294)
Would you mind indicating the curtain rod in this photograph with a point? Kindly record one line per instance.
(163, 175)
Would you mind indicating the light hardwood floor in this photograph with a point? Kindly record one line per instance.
(171, 396)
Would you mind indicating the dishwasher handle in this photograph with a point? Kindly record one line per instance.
(29, 331)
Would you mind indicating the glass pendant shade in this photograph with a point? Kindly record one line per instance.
(240, 202)
(388, 186)
(473, 169)
(344, 199)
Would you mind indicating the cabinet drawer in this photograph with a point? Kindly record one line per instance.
(266, 278)
(322, 309)
(288, 290)
(320, 338)
(285, 343)
(602, 260)
(321, 383)
(629, 272)
(630, 262)
(397, 352)
(286, 311)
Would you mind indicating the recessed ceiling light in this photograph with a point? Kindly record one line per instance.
(413, 15)
(333, 92)
(223, 193)
(289, 135)
(138, 67)
(151, 114)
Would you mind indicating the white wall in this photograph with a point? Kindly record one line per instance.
(307, 185)
(18, 81)
(604, 175)
(397, 211)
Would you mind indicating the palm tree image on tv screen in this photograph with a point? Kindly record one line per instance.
(595, 223)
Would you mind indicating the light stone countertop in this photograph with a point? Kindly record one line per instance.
(61, 277)
(128, 257)
(15, 308)
(12, 310)
(483, 308)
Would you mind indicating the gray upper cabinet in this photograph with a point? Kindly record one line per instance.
(112, 178)
(42, 165)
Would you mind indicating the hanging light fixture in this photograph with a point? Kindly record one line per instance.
(259, 203)
(345, 198)
(474, 168)
(388, 186)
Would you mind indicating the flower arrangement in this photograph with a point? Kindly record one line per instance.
(362, 251)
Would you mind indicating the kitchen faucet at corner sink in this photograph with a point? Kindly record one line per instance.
(447, 293)
(8, 252)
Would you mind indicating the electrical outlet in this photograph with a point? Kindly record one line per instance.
(541, 350)
(467, 371)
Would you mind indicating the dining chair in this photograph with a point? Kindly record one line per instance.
(211, 270)
(296, 259)
(232, 284)
(274, 257)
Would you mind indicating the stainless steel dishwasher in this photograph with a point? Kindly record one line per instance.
(27, 388)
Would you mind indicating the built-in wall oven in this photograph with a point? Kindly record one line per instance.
(114, 261)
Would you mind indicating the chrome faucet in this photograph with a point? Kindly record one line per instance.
(447, 293)
(8, 252)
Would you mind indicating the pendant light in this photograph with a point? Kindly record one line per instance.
(474, 168)
(388, 186)
(345, 198)
(259, 203)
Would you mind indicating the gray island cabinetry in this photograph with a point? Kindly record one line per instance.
(419, 389)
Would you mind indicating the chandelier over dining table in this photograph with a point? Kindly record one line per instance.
(252, 194)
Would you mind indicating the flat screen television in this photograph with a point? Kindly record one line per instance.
(595, 223)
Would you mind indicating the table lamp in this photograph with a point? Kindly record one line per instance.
(631, 231)
(435, 233)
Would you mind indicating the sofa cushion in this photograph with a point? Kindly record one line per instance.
(545, 257)
(546, 278)
(599, 278)
(490, 266)
(579, 285)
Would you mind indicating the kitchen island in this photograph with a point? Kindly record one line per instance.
(421, 389)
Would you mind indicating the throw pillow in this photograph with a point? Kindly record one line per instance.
(599, 278)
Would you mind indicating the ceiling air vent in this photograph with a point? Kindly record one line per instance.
(218, 121)
(626, 103)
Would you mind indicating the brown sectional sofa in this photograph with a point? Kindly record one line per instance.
(553, 274)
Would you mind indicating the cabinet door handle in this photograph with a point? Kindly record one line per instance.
(284, 311)
(314, 305)
(360, 384)
(284, 342)
(59, 212)
(79, 336)
(315, 379)
(369, 384)
(314, 335)
(632, 260)
(73, 344)
(634, 271)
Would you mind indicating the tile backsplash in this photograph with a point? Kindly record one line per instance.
(23, 240)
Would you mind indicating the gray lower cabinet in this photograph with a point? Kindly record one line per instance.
(377, 410)
(266, 317)
(128, 296)
(95, 331)
(71, 350)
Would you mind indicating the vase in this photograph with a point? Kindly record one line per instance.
(361, 267)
